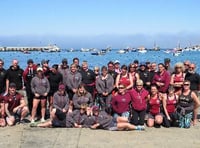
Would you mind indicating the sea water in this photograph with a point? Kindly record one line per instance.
(100, 60)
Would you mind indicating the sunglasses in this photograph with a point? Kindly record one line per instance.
(138, 85)
(121, 87)
(186, 84)
(186, 64)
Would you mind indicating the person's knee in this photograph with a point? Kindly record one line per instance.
(150, 123)
(159, 120)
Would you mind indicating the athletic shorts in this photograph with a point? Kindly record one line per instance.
(151, 116)
(60, 115)
(58, 123)
(41, 97)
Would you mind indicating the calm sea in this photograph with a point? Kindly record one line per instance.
(56, 58)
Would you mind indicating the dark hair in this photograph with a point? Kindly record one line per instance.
(124, 67)
(110, 62)
(104, 68)
(2, 61)
(75, 59)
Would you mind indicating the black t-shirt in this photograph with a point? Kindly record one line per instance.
(2, 80)
(194, 80)
(15, 76)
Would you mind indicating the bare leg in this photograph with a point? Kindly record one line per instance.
(150, 122)
(122, 120)
(43, 107)
(46, 124)
(158, 119)
(35, 105)
(24, 112)
(126, 126)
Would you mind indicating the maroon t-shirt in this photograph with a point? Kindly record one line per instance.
(139, 102)
(13, 100)
(120, 103)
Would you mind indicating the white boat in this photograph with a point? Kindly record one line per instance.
(142, 51)
(167, 51)
(51, 48)
(121, 51)
(85, 49)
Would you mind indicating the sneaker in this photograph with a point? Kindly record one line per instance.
(22, 121)
(140, 128)
(114, 128)
(34, 124)
(32, 121)
(42, 120)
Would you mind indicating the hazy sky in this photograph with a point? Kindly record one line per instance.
(99, 22)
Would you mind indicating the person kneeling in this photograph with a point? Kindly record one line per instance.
(15, 106)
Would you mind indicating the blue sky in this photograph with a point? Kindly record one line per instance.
(119, 23)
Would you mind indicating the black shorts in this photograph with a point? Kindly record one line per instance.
(58, 123)
(60, 115)
(41, 97)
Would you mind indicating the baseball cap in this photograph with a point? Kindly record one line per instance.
(61, 87)
(167, 60)
(12, 85)
(95, 108)
(39, 69)
(64, 60)
(44, 61)
(117, 62)
(29, 61)
(143, 64)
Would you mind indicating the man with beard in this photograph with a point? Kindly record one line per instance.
(88, 78)
(193, 77)
(64, 70)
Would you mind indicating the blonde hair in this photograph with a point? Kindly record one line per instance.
(84, 90)
(139, 82)
(179, 64)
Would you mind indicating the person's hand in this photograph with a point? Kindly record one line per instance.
(168, 118)
(88, 111)
(45, 94)
(15, 109)
(64, 110)
(74, 90)
(37, 95)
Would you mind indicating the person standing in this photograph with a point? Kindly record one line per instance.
(88, 78)
(64, 70)
(124, 78)
(178, 77)
(40, 87)
(104, 87)
(15, 75)
(73, 81)
(55, 78)
(2, 77)
(161, 79)
(193, 77)
(28, 74)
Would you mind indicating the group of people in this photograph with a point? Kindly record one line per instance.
(113, 97)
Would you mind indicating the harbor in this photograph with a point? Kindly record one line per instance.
(49, 48)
